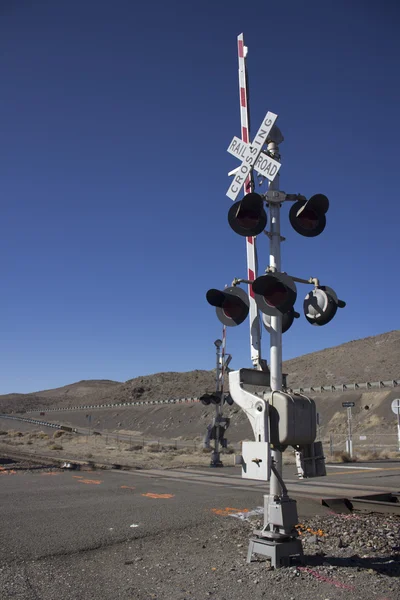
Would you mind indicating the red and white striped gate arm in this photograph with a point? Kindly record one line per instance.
(251, 250)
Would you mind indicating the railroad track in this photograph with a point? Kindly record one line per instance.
(388, 502)
(338, 497)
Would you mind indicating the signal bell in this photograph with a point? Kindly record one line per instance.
(232, 305)
(248, 217)
(308, 218)
(321, 304)
(275, 293)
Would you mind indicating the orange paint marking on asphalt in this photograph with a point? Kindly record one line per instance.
(50, 473)
(225, 512)
(90, 481)
(78, 476)
(10, 472)
(127, 487)
(150, 495)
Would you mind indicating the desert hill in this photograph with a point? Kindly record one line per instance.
(368, 359)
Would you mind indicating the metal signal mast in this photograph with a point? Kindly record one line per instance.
(278, 418)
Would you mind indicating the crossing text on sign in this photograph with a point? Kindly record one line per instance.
(250, 155)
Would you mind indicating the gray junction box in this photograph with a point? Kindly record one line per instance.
(293, 419)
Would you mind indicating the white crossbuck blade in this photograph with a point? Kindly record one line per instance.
(251, 157)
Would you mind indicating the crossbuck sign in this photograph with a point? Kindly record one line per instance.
(253, 157)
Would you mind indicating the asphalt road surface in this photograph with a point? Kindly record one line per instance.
(116, 534)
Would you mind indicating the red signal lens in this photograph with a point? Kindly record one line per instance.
(231, 309)
(308, 219)
(276, 295)
(248, 219)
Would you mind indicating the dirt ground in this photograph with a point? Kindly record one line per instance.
(101, 450)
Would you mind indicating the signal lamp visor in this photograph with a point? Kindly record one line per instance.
(248, 217)
(275, 293)
(232, 305)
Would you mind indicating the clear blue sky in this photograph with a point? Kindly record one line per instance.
(115, 119)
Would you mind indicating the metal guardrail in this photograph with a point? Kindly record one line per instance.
(118, 404)
(346, 387)
(316, 389)
(34, 421)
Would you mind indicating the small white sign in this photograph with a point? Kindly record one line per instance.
(363, 437)
(250, 155)
(256, 460)
(396, 406)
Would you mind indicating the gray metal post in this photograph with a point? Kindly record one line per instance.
(276, 322)
(398, 425)
(349, 432)
(278, 537)
(216, 456)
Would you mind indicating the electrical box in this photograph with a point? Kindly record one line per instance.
(310, 461)
(293, 419)
(256, 460)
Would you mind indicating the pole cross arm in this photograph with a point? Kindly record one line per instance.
(255, 407)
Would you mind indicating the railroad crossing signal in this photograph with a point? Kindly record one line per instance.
(249, 154)
(307, 217)
(321, 304)
(232, 305)
(275, 293)
(287, 320)
(248, 217)
(216, 398)
(395, 406)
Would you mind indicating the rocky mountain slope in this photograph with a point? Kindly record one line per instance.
(369, 359)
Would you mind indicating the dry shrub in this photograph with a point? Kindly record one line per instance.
(153, 448)
(393, 454)
(43, 436)
(367, 456)
(13, 443)
(58, 434)
(14, 434)
(343, 457)
(3, 432)
(55, 447)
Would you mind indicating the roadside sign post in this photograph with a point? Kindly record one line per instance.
(396, 410)
(349, 441)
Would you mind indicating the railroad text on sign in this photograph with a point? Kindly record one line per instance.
(265, 165)
(251, 155)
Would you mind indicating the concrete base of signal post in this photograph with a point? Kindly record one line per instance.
(280, 552)
(278, 539)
